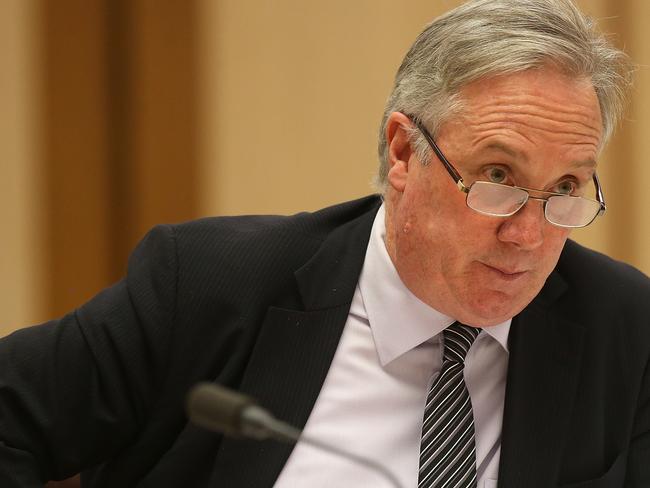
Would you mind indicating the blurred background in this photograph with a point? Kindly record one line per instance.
(120, 114)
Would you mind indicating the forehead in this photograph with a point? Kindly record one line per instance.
(536, 106)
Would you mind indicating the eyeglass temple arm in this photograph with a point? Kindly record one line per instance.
(599, 195)
(452, 171)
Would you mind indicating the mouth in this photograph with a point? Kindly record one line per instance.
(506, 274)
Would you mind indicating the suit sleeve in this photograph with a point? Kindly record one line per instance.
(75, 391)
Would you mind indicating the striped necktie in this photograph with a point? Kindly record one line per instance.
(447, 450)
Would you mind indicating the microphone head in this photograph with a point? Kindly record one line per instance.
(216, 408)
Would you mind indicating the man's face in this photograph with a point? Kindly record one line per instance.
(536, 129)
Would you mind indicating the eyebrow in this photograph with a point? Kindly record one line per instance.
(503, 148)
(589, 162)
(585, 162)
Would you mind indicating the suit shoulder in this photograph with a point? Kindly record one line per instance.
(254, 251)
(272, 230)
(600, 274)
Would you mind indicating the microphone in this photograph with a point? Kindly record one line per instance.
(219, 409)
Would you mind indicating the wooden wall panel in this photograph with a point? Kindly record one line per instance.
(119, 129)
(162, 102)
(76, 167)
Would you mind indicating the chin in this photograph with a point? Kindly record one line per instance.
(490, 310)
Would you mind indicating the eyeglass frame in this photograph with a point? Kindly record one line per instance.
(455, 175)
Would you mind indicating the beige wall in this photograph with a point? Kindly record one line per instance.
(637, 173)
(624, 232)
(293, 93)
(21, 298)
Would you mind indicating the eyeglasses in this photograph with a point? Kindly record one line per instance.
(498, 200)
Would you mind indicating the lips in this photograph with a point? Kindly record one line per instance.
(508, 274)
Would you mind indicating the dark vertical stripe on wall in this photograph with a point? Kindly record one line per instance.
(75, 165)
(119, 127)
(162, 153)
(119, 134)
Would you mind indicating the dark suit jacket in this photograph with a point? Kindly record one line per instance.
(258, 304)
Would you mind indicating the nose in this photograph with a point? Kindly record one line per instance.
(525, 229)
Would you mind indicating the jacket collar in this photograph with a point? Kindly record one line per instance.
(330, 277)
(543, 374)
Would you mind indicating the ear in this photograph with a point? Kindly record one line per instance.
(399, 150)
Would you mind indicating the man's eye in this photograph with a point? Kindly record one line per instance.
(566, 187)
(496, 175)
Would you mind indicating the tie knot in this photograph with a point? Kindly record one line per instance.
(458, 340)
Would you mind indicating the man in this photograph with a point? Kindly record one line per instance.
(448, 331)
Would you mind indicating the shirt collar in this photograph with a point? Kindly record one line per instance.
(399, 320)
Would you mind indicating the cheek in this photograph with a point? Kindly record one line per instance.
(447, 243)
(437, 235)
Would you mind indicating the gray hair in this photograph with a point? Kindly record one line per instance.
(484, 38)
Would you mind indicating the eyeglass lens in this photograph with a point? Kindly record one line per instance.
(494, 199)
(571, 211)
(502, 200)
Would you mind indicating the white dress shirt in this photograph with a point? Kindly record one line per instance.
(373, 397)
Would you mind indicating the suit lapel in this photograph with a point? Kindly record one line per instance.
(543, 372)
(293, 353)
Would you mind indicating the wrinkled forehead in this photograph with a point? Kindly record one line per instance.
(536, 99)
